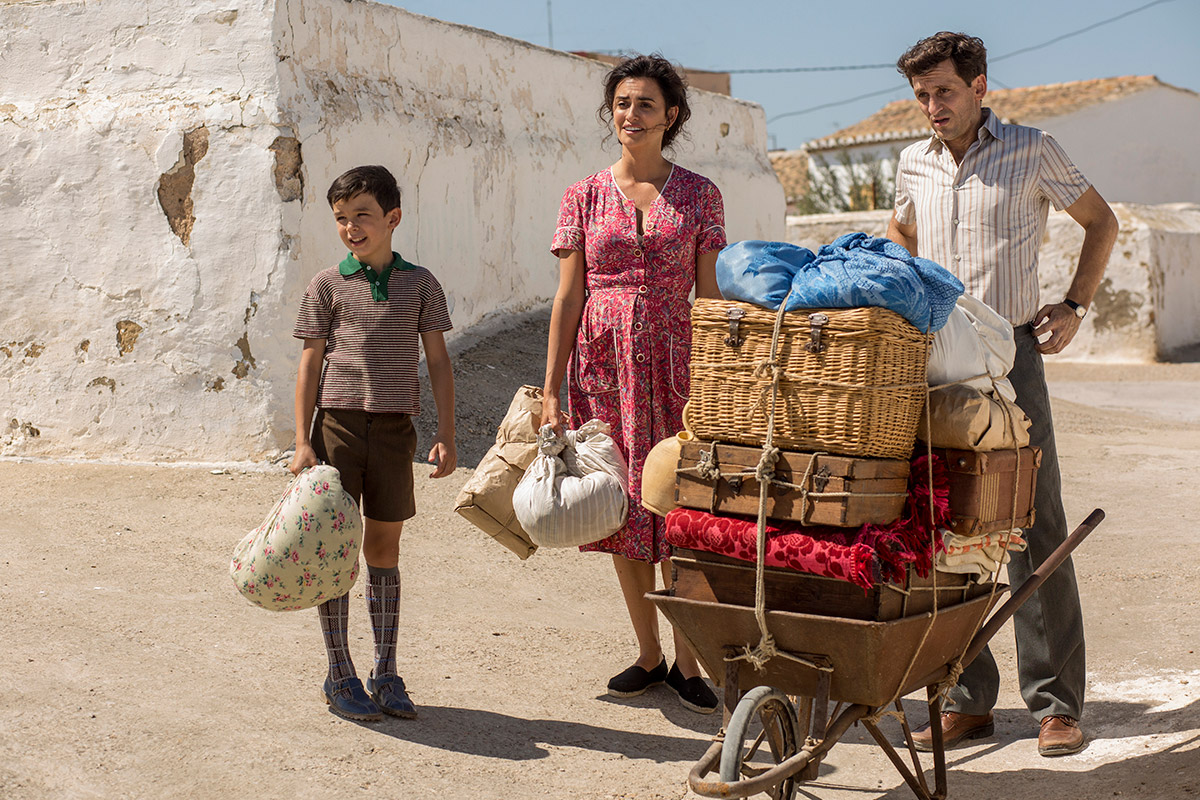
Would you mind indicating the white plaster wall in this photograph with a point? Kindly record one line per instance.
(1145, 309)
(1139, 149)
(94, 101)
(483, 132)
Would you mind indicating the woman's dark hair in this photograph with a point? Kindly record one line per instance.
(374, 180)
(967, 53)
(670, 83)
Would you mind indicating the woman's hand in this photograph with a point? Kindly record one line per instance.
(552, 415)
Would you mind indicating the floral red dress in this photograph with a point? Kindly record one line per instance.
(629, 366)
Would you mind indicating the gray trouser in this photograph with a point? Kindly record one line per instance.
(1049, 626)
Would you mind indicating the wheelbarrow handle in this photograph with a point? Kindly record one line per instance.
(1031, 585)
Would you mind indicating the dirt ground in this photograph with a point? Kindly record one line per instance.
(131, 668)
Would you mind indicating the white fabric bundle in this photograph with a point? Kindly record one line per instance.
(576, 490)
(976, 341)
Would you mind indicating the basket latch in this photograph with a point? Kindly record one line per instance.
(734, 316)
(817, 321)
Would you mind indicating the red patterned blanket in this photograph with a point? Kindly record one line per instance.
(863, 556)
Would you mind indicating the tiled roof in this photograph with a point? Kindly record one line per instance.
(792, 168)
(902, 119)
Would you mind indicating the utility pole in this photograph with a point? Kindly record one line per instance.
(549, 24)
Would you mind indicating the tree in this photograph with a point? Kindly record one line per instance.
(858, 185)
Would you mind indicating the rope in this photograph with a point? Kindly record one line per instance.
(874, 719)
(948, 683)
(765, 650)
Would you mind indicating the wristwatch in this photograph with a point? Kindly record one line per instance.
(1080, 310)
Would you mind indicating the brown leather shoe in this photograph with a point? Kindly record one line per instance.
(1060, 736)
(956, 727)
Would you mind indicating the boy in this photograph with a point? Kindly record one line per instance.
(360, 321)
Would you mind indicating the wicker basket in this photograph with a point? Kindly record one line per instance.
(853, 379)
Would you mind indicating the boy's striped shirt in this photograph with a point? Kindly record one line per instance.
(372, 348)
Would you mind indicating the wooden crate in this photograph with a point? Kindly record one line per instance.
(713, 578)
(842, 491)
(981, 489)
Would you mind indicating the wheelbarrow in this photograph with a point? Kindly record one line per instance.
(863, 666)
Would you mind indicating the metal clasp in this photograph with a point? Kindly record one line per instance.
(817, 321)
(820, 479)
(734, 315)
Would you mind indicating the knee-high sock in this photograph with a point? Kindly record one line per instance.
(334, 615)
(383, 602)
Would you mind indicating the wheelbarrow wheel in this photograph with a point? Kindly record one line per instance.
(763, 715)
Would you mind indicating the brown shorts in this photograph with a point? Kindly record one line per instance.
(374, 455)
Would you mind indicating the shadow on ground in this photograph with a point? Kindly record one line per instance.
(492, 735)
(972, 772)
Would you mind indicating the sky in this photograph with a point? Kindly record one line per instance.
(1159, 37)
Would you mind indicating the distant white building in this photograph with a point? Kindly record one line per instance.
(1134, 137)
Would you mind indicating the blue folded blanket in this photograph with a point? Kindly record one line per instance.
(856, 270)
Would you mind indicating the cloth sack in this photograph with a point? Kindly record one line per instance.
(486, 498)
(306, 550)
(658, 474)
(962, 417)
(977, 343)
(576, 491)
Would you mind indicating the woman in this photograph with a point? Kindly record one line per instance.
(631, 242)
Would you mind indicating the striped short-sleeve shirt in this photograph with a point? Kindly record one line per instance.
(984, 219)
(372, 348)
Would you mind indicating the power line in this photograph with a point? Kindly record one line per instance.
(804, 69)
(849, 100)
(1081, 30)
(836, 103)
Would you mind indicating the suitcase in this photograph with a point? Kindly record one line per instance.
(698, 575)
(981, 488)
(842, 491)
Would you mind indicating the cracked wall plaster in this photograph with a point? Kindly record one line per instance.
(175, 185)
(128, 332)
(242, 368)
(289, 178)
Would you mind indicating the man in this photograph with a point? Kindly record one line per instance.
(974, 198)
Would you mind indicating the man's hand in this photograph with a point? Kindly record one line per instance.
(304, 457)
(444, 456)
(1059, 320)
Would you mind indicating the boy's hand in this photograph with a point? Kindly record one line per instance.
(444, 455)
(305, 457)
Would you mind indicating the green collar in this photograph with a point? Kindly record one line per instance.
(378, 281)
